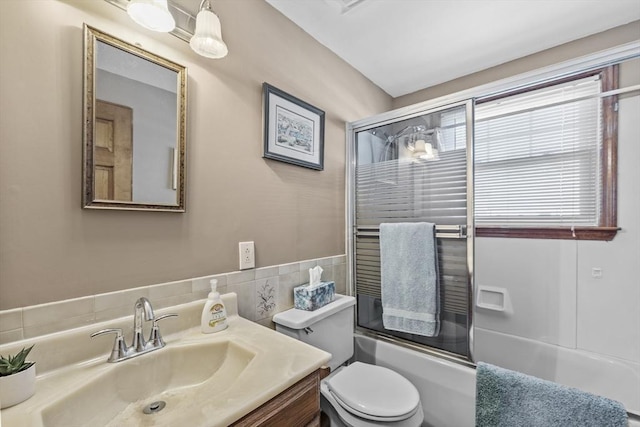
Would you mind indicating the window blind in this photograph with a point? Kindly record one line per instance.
(454, 130)
(537, 157)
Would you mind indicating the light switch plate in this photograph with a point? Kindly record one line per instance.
(247, 255)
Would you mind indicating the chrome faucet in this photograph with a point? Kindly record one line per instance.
(142, 306)
(139, 345)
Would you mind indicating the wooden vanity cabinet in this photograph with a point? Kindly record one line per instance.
(297, 406)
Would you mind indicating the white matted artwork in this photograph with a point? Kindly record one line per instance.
(293, 129)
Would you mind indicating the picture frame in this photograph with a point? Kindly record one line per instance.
(293, 129)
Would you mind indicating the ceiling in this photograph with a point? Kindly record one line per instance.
(407, 45)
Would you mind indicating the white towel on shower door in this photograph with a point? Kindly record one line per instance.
(409, 278)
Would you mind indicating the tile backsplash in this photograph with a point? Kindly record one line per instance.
(262, 292)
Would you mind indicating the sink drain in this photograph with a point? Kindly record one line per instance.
(154, 407)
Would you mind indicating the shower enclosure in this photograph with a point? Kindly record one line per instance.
(414, 166)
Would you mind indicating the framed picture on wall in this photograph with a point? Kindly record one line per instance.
(293, 129)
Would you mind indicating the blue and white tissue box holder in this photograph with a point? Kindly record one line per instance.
(311, 298)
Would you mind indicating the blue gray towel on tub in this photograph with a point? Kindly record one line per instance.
(409, 278)
(506, 398)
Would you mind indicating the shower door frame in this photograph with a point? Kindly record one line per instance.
(351, 157)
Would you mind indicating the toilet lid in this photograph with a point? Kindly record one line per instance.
(374, 392)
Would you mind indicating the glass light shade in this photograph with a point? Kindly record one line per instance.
(207, 39)
(424, 150)
(152, 14)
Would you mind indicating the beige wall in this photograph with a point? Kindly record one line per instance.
(52, 249)
(585, 46)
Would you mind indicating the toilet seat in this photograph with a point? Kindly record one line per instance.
(374, 392)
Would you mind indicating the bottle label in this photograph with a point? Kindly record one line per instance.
(217, 315)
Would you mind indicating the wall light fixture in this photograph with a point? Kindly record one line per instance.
(207, 39)
(152, 14)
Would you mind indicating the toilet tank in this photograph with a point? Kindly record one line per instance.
(329, 328)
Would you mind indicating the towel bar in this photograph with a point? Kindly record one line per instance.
(442, 231)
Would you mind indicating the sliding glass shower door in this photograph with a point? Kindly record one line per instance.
(415, 168)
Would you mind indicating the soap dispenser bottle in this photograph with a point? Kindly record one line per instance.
(214, 314)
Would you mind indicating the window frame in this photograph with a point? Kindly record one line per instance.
(607, 222)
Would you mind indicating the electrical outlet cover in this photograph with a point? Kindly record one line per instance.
(247, 255)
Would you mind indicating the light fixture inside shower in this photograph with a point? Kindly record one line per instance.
(421, 142)
(424, 144)
(423, 150)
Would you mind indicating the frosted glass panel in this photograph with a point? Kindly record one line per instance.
(415, 170)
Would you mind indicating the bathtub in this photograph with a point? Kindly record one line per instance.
(447, 389)
(605, 376)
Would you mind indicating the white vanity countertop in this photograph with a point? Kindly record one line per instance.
(278, 362)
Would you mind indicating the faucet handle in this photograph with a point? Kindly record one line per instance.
(164, 316)
(155, 338)
(119, 349)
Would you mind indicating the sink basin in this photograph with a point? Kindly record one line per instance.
(175, 375)
(203, 380)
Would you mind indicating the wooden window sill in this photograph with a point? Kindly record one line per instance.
(567, 233)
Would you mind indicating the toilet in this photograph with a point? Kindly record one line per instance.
(359, 394)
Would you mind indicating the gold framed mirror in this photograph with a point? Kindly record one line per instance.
(134, 127)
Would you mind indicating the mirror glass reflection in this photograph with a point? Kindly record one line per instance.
(134, 136)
